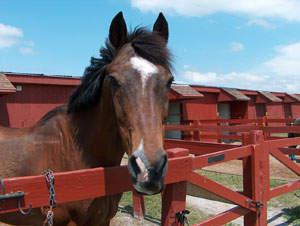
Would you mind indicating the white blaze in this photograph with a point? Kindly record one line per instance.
(144, 67)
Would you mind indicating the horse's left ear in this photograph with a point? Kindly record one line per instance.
(118, 31)
(161, 27)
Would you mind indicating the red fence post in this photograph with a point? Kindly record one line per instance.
(173, 196)
(256, 179)
(138, 205)
(196, 133)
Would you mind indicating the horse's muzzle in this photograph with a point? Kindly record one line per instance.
(148, 179)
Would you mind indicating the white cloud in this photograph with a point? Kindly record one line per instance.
(9, 35)
(29, 43)
(27, 51)
(242, 80)
(200, 78)
(261, 23)
(288, 60)
(236, 47)
(283, 9)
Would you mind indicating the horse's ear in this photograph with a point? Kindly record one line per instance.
(161, 27)
(118, 31)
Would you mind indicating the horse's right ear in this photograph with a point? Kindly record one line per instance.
(118, 31)
(161, 27)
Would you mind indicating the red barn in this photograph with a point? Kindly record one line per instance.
(25, 98)
(32, 96)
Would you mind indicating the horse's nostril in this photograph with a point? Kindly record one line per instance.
(134, 165)
(161, 164)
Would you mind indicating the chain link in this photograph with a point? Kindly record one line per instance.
(49, 176)
(181, 218)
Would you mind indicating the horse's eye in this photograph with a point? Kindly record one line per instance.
(168, 85)
(114, 82)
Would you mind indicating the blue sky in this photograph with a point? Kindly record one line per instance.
(239, 44)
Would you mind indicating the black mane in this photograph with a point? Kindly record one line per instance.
(145, 43)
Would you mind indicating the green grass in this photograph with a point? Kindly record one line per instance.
(289, 202)
(153, 209)
(292, 215)
(279, 134)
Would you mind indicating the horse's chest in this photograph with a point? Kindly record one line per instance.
(96, 211)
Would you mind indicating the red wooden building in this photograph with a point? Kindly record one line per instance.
(31, 96)
(25, 98)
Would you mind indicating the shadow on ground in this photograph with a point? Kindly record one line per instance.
(129, 210)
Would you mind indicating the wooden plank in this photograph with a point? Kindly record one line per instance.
(224, 217)
(290, 151)
(138, 202)
(173, 201)
(274, 144)
(285, 120)
(196, 147)
(237, 128)
(221, 156)
(241, 121)
(259, 179)
(280, 190)
(220, 190)
(280, 129)
(220, 136)
(286, 161)
(88, 183)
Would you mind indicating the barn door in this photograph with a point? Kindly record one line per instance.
(173, 119)
(224, 110)
(260, 110)
(287, 110)
(224, 113)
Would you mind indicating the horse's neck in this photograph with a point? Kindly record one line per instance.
(97, 135)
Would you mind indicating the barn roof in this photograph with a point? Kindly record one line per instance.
(5, 85)
(270, 97)
(294, 96)
(237, 95)
(185, 92)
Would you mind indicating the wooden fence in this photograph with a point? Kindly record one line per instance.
(252, 203)
(213, 129)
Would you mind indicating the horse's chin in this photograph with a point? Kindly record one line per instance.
(146, 192)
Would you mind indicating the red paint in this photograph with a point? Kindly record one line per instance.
(223, 218)
(138, 205)
(295, 108)
(26, 107)
(42, 79)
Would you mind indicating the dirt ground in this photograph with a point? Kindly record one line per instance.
(277, 169)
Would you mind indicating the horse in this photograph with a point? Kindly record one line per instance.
(119, 107)
(295, 122)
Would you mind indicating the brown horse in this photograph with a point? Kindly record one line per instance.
(120, 106)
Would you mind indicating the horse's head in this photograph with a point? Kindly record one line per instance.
(140, 81)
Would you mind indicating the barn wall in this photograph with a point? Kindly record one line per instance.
(275, 110)
(26, 107)
(295, 108)
(251, 110)
(206, 108)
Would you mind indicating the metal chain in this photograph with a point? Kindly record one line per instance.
(52, 202)
(181, 218)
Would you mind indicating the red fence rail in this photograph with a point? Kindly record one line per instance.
(213, 129)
